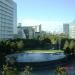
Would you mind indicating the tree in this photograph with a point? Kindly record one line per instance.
(13, 46)
(66, 45)
(71, 44)
(27, 70)
(71, 47)
(54, 40)
(20, 45)
(46, 43)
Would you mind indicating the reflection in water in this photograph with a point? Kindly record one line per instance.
(25, 57)
(36, 57)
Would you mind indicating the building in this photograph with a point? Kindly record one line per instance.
(40, 28)
(26, 32)
(29, 32)
(69, 29)
(15, 18)
(21, 33)
(72, 30)
(66, 29)
(8, 19)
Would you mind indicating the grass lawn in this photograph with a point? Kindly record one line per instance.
(43, 51)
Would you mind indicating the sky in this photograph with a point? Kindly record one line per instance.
(51, 14)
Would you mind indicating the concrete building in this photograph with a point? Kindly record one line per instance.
(15, 18)
(29, 32)
(40, 28)
(21, 33)
(66, 29)
(26, 32)
(72, 30)
(8, 19)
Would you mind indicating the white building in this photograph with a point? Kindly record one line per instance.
(21, 33)
(26, 32)
(72, 30)
(29, 32)
(8, 19)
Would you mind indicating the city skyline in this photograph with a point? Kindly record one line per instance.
(51, 14)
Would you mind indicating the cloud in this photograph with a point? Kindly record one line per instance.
(50, 26)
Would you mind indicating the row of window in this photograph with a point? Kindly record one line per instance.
(6, 5)
(4, 8)
(6, 26)
(6, 29)
(5, 12)
(5, 15)
(6, 36)
(10, 17)
(5, 33)
(6, 20)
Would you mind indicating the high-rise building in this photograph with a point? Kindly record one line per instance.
(40, 28)
(72, 30)
(8, 19)
(66, 29)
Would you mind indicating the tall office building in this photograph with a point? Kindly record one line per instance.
(8, 19)
(40, 28)
(66, 29)
(72, 30)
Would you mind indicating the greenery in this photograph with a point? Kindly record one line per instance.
(44, 51)
(27, 70)
(8, 70)
(61, 71)
(49, 43)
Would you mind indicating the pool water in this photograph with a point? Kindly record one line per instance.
(40, 58)
(35, 57)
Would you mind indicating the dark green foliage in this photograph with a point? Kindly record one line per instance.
(61, 71)
(20, 45)
(9, 70)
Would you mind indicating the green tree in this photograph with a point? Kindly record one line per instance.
(66, 45)
(27, 70)
(20, 45)
(54, 40)
(72, 47)
(9, 70)
(71, 44)
(13, 46)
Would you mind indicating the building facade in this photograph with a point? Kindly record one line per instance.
(66, 29)
(72, 30)
(8, 19)
(29, 32)
(26, 32)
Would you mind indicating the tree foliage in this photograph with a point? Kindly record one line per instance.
(66, 44)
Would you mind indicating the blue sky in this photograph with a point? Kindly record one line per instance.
(50, 13)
